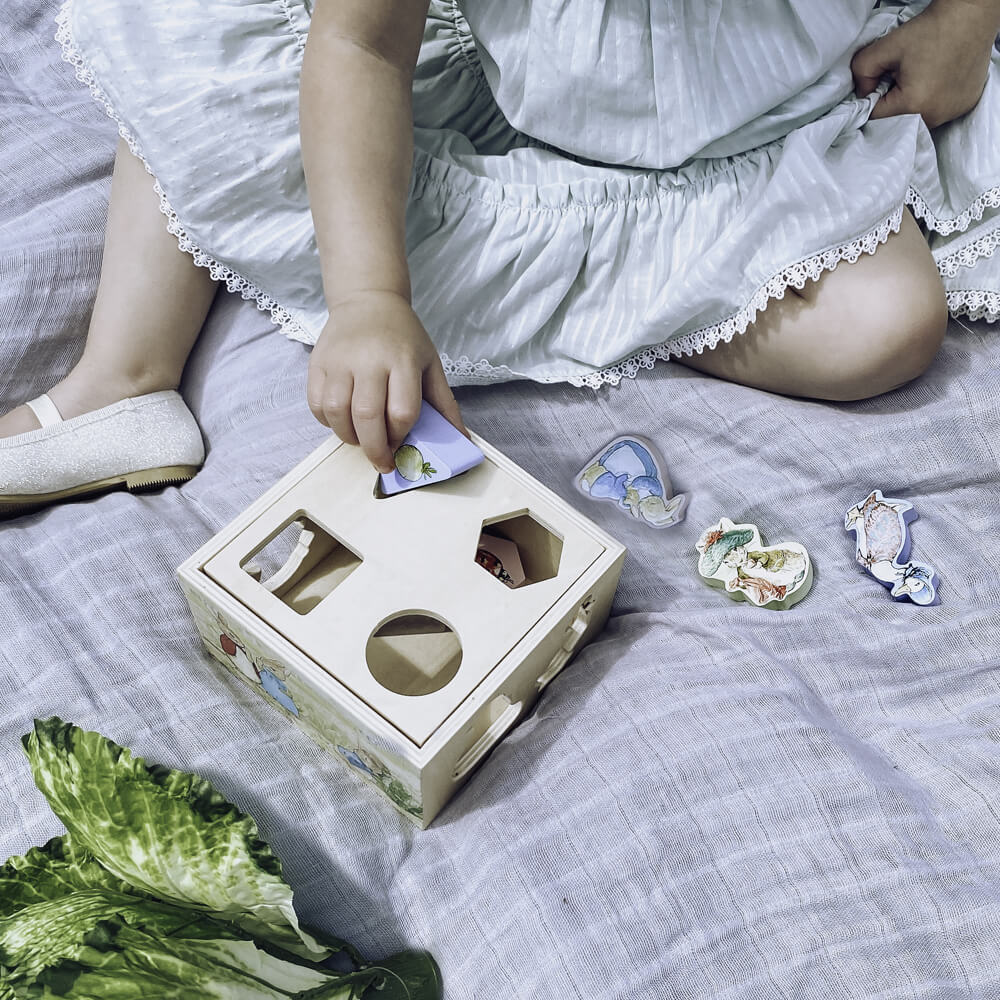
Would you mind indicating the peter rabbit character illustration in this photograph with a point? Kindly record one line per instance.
(733, 557)
(266, 674)
(627, 472)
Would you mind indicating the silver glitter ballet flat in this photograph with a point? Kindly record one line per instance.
(142, 441)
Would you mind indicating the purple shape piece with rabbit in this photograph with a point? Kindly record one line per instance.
(881, 528)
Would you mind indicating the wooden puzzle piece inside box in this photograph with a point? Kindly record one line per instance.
(378, 625)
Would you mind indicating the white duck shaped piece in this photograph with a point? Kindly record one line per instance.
(881, 528)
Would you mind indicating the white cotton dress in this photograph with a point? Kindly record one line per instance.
(596, 185)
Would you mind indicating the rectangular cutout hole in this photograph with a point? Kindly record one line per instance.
(301, 564)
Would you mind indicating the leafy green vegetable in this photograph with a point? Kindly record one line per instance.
(107, 945)
(405, 976)
(51, 871)
(168, 833)
(6, 990)
(163, 890)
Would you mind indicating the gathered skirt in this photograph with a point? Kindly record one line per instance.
(534, 255)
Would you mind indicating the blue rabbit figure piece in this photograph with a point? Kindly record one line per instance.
(627, 472)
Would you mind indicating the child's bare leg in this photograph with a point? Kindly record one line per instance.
(151, 303)
(860, 330)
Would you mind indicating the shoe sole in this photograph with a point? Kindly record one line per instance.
(11, 505)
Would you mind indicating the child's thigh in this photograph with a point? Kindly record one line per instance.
(859, 330)
(900, 276)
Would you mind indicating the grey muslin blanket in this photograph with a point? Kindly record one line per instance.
(712, 801)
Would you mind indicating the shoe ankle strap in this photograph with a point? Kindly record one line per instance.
(46, 411)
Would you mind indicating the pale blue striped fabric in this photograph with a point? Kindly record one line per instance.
(596, 185)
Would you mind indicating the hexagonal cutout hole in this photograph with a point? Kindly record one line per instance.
(518, 550)
(301, 563)
(413, 653)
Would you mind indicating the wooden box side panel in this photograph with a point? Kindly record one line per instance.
(519, 685)
(251, 655)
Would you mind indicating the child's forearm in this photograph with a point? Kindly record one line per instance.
(356, 129)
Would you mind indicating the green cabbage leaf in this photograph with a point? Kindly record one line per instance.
(167, 833)
(49, 872)
(96, 943)
(163, 889)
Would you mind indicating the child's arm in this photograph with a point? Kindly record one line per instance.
(939, 61)
(373, 361)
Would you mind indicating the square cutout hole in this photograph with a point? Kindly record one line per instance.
(301, 564)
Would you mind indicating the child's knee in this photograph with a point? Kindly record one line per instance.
(893, 339)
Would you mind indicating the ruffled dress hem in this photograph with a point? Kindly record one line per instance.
(974, 303)
(794, 276)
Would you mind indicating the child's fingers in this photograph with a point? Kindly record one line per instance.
(872, 63)
(368, 413)
(315, 382)
(329, 399)
(893, 102)
(335, 402)
(402, 403)
(438, 393)
(865, 85)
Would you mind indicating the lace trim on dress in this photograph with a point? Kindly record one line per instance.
(961, 222)
(985, 246)
(795, 276)
(462, 371)
(235, 281)
(976, 304)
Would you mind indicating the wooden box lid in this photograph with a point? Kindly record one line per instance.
(405, 566)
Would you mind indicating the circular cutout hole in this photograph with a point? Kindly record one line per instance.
(413, 653)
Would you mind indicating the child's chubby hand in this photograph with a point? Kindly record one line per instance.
(369, 370)
(938, 61)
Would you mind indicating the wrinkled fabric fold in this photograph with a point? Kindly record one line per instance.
(530, 256)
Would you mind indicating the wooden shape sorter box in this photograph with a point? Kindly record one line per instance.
(369, 620)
